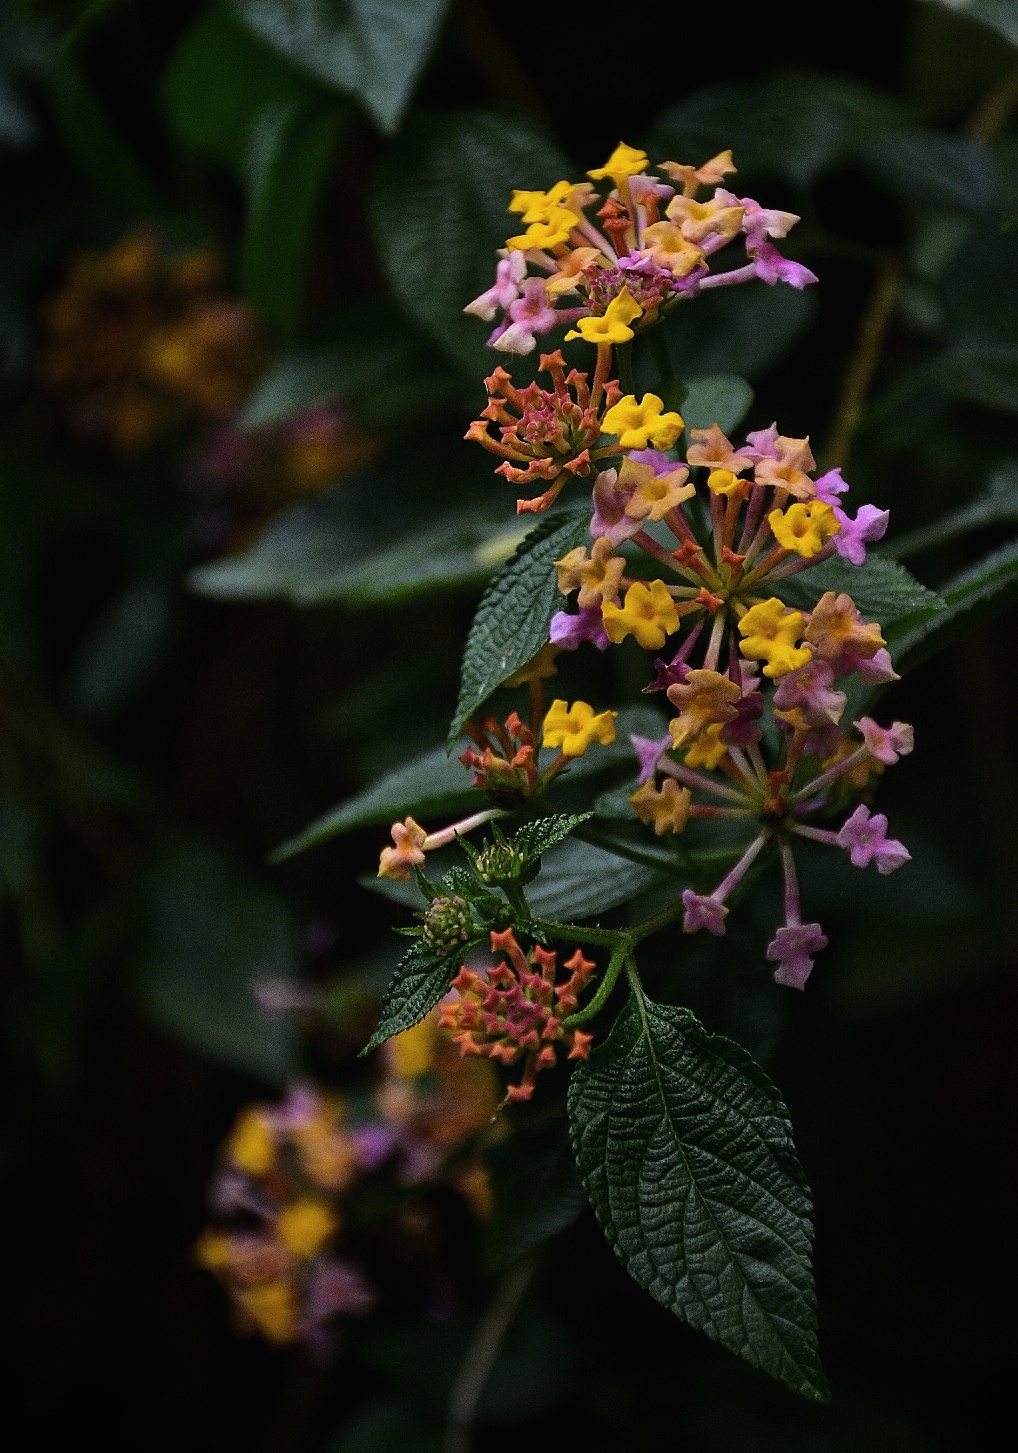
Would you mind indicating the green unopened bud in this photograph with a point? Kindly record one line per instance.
(447, 924)
(500, 862)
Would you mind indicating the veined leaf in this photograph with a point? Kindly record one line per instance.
(685, 1149)
(973, 596)
(536, 837)
(371, 49)
(882, 589)
(419, 982)
(431, 785)
(512, 621)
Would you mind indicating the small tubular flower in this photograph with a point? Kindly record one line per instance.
(770, 631)
(613, 324)
(648, 613)
(665, 808)
(705, 699)
(573, 728)
(643, 423)
(399, 861)
(864, 838)
(804, 527)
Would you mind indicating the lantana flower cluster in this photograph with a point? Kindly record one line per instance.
(289, 1169)
(611, 264)
(699, 551)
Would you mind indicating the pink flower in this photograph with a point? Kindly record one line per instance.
(792, 949)
(531, 313)
(649, 751)
(869, 524)
(887, 744)
(508, 275)
(568, 632)
(703, 912)
(864, 837)
(769, 265)
(829, 486)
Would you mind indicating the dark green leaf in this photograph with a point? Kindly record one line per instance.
(433, 785)
(17, 129)
(289, 150)
(685, 1149)
(512, 621)
(97, 147)
(439, 211)
(535, 838)
(721, 398)
(999, 15)
(417, 985)
(537, 1191)
(971, 597)
(982, 371)
(123, 648)
(579, 880)
(213, 932)
(883, 590)
(371, 49)
(932, 169)
(997, 505)
(217, 81)
(739, 331)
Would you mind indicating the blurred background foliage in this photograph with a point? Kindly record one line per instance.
(241, 544)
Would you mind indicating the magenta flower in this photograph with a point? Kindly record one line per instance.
(703, 911)
(568, 632)
(864, 837)
(792, 949)
(771, 267)
(851, 540)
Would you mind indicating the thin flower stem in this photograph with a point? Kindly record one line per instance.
(605, 987)
(488, 1337)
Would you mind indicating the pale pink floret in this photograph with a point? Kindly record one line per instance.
(760, 444)
(851, 540)
(876, 670)
(792, 949)
(703, 912)
(864, 837)
(809, 690)
(509, 273)
(771, 267)
(610, 519)
(759, 221)
(830, 485)
(531, 314)
(887, 744)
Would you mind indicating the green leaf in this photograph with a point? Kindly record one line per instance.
(124, 647)
(720, 398)
(741, 331)
(535, 838)
(218, 79)
(579, 880)
(512, 621)
(289, 149)
(685, 1149)
(982, 371)
(932, 169)
(17, 129)
(94, 143)
(212, 932)
(371, 49)
(417, 985)
(997, 505)
(536, 1189)
(883, 590)
(971, 597)
(439, 210)
(432, 785)
(999, 15)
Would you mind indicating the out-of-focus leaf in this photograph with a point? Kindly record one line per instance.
(289, 149)
(999, 15)
(98, 149)
(997, 505)
(740, 330)
(685, 1149)
(372, 349)
(433, 785)
(439, 210)
(385, 1427)
(983, 372)
(536, 1188)
(218, 79)
(796, 124)
(882, 589)
(933, 169)
(721, 398)
(980, 288)
(211, 931)
(123, 648)
(971, 597)
(17, 129)
(512, 621)
(371, 49)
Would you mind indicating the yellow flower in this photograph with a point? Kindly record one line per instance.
(708, 750)
(598, 577)
(648, 613)
(412, 1053)
(668, 248)
(551, 231)
(613, 324)
(653, 495)
(643, 423)
(705, 698)
(272, 1307)
(723, 481)
(304, 1226)
(624, 162)
(252, 1146)
(573, 728)
(665, 809)
(770, 631)
(804, 528)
